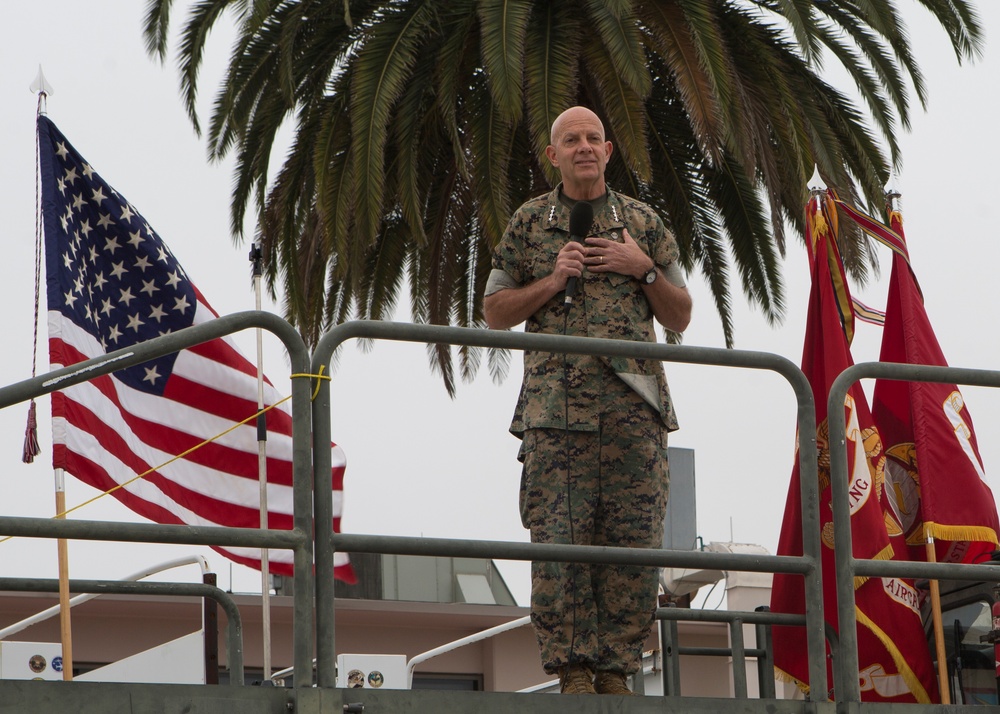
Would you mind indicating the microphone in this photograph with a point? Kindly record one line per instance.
(580, 218)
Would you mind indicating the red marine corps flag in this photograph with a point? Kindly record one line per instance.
(935, 481)
(888, 621)
(112, 282)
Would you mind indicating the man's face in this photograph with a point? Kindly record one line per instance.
(579, 150)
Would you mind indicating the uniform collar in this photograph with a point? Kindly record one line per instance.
(607, 219)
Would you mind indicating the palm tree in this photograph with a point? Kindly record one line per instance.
(420, 125)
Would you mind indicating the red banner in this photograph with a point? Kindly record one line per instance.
(935, 480)
(888, 620)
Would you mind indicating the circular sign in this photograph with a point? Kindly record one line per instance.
(37, 663)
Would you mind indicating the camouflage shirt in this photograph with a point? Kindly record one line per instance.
(608, 305)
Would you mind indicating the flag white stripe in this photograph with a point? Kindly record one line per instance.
(183, 417)
(199, 479)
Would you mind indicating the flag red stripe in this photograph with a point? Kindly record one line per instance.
(180, 389)
(225, 405)
(223, 352)
(98, 477)
(215, 510)
(242, 464)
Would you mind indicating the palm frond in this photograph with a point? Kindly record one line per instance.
(682, 61)
(551, 72)
(503, 27)
(452, 65)
(620, 37)
(742, 214)
(960, 21)
(490, 140)
(199, 26)
(800, 15)
(383, 64)
(155, 26)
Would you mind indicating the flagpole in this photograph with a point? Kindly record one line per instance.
(65, 629)
(942, 660)
(44, 90)
(256, 260)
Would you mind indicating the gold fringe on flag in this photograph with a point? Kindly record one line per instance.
(886, 553)
(960, 533)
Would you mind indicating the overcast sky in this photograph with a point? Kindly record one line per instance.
(420, 463)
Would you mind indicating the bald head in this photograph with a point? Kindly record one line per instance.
(571, 117)
(580, 152)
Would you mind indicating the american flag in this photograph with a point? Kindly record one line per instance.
(111, 282)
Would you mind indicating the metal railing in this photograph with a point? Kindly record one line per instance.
(807, 565)
(298, 539)
(847, 685)
(311, 438)
(51, 612)
(127, 587)
(762, 619)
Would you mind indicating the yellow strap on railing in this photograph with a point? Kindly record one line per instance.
(317, 377)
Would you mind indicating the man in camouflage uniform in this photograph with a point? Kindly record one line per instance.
(594, 429)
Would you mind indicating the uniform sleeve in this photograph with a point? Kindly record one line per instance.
(499, 280)
(509, 267)
(674, 275)
(666, 254)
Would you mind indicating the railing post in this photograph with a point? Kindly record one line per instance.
(671, 674)
(765, 659)
(739, 659)
(210, 627)
(322, 503)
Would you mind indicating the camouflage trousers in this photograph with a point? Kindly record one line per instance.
(607, 487)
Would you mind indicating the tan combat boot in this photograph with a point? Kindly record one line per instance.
(576, 679)
(608, 682)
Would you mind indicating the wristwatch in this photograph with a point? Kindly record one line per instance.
(650, 277)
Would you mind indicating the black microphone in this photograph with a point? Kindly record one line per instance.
(580, 218)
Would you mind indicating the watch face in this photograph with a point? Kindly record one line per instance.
(651, 277)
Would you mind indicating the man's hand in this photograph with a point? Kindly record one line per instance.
(569, 264)
(512, 306)
(608, 256)
(671, 305)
